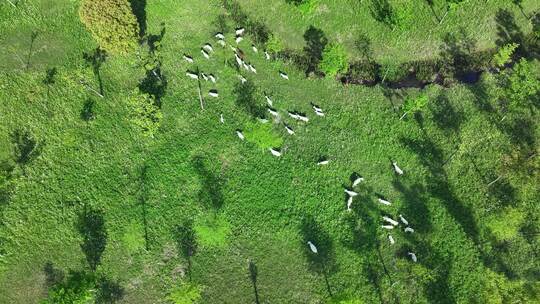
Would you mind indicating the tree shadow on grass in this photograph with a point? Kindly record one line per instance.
(245, 99)
(53, 275)
(186, 241)
(432, 157)
(315, 43)
(108, 291)
(458, 54)
(415, 210)
(25, 147)
(138, 7)
(91, 226)
(210, 194)
(445, 115)
(6, 185)
(508, 31)
(323, 262)
(95, 59)
(253, 273)
(87, 111)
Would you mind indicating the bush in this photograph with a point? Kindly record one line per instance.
(334, 60)
(274, 44)
(112, 23)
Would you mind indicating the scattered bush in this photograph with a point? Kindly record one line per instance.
(334, 60)
(504, 55)
(112, 23)
(212, 230)
(262, 135)
(382, 11)
(506, 224)
(185, 294)
(274, 44)
(146, 114)
(414, 105)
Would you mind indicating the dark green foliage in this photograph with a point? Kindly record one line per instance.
(91, 226)
(87, 111)
(383, 12)
(245, 99)
(363, 72)
(112, 23)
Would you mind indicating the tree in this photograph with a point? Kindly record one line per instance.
(334, 60)
(112, 23)
(504, 55)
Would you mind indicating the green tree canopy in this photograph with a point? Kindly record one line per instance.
(112, 23)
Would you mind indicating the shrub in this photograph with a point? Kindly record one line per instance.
(112, 23)
(334, 60)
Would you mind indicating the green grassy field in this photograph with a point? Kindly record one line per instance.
(245, 203)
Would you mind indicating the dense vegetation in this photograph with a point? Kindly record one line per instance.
(120, 184)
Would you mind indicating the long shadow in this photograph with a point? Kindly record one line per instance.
(138, 7)
(252, 269)
(49, 79)
(91, 226)
(95, 59)
(323, 262)
(210, 194)
(143, 197)
(186, 241)
(316, 41)
(245, 99)
(6, 186)
(33, 37)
